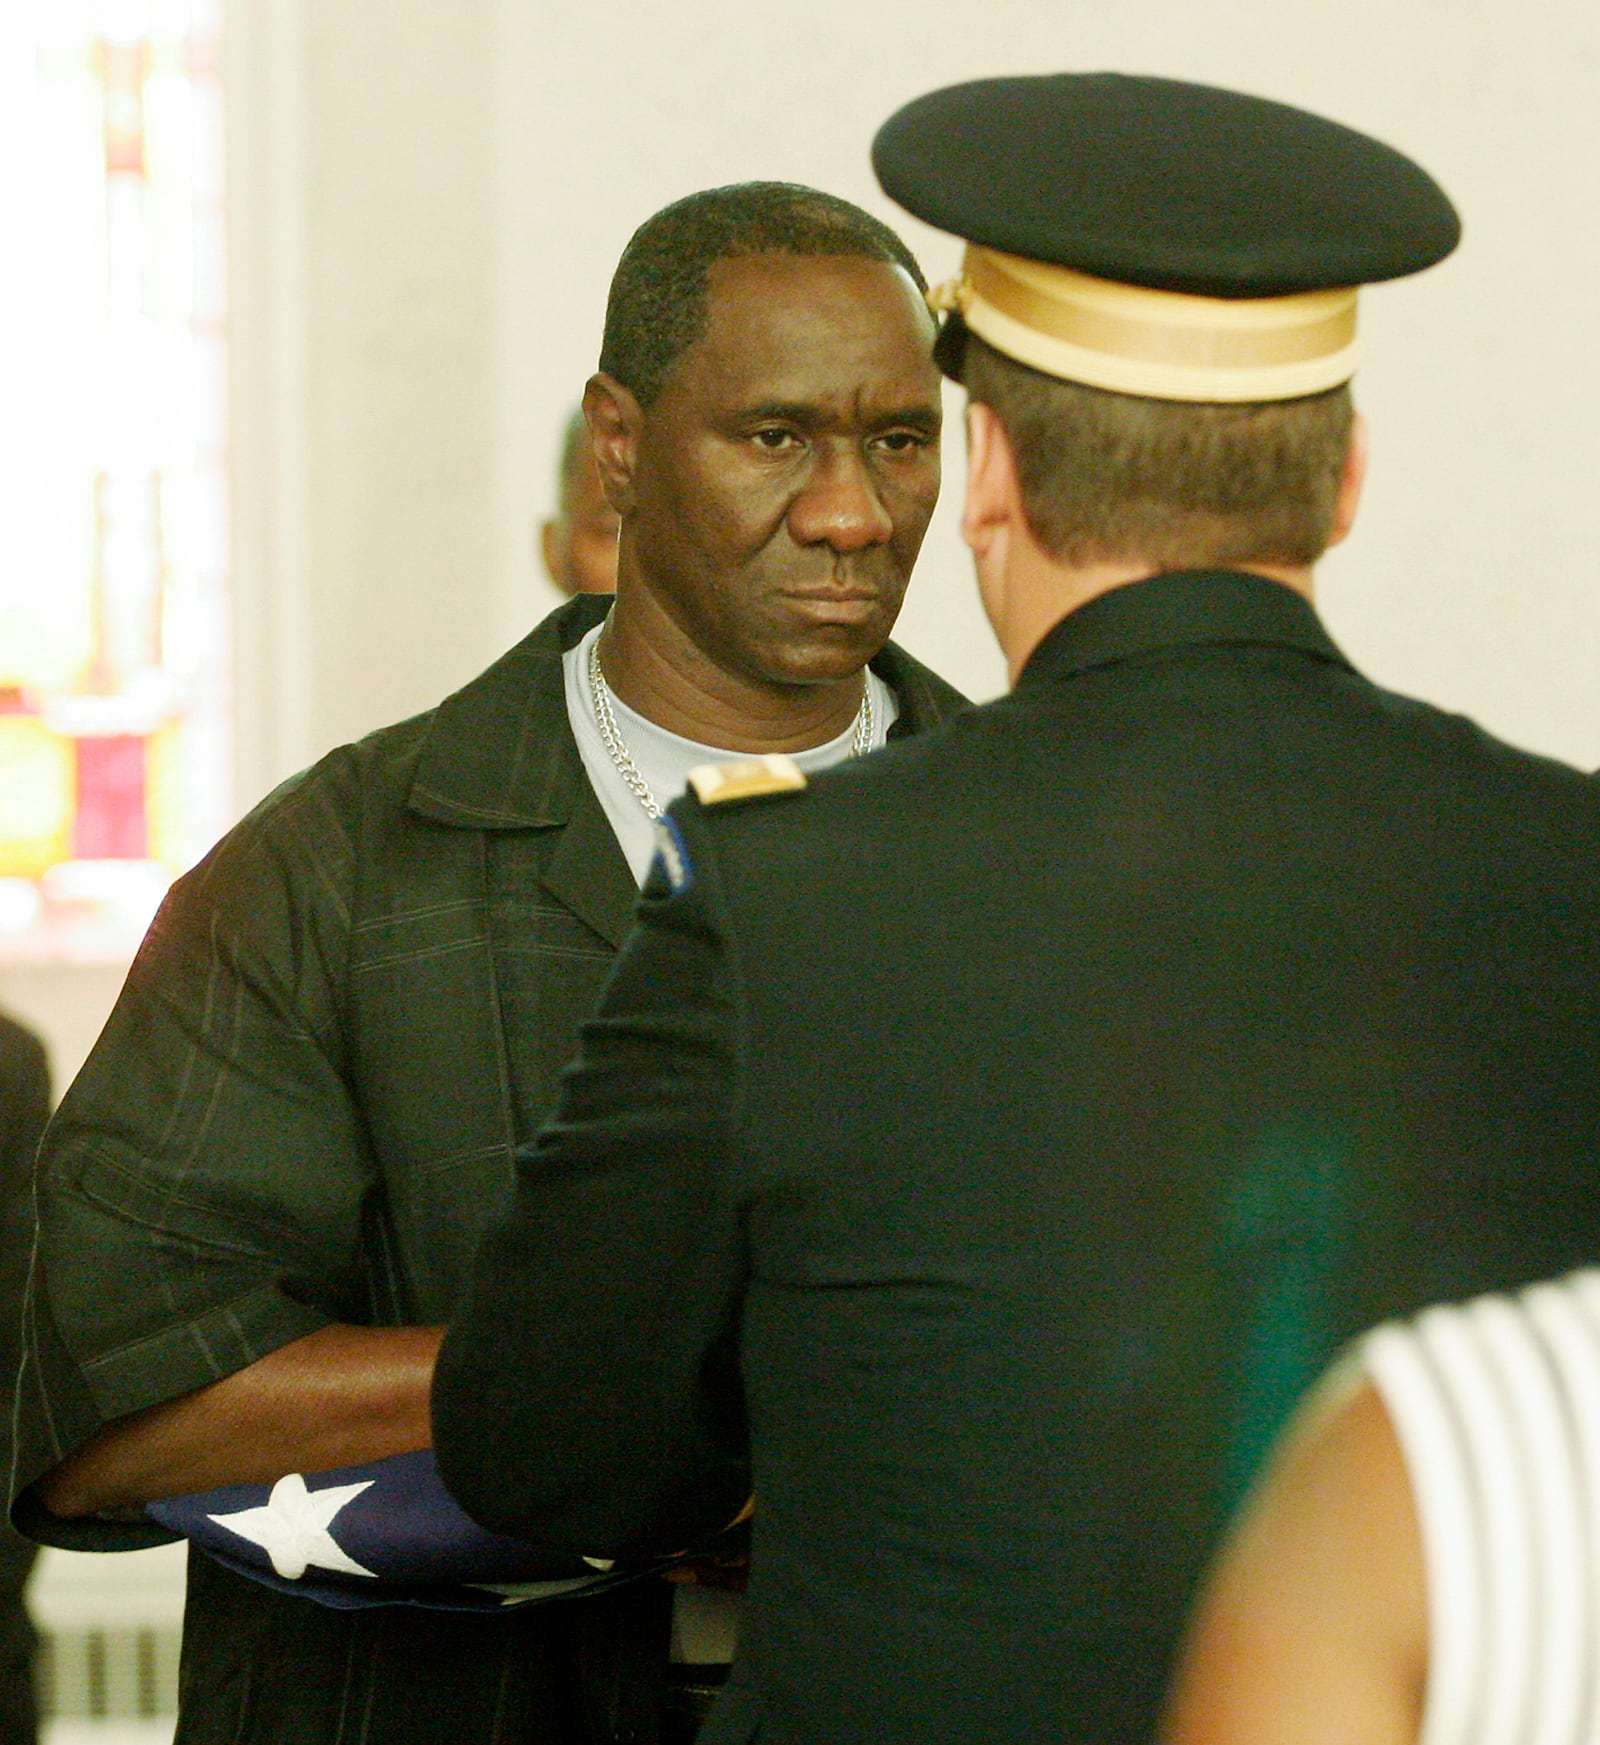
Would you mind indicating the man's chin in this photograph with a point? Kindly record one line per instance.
(828, 657)
(820, 641)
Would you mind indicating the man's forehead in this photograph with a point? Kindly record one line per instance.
(757, 265)
(743, 288)
(809, 309)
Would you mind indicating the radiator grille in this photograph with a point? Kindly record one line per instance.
(107, 1675)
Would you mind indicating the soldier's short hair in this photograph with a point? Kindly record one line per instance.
(1110, 477)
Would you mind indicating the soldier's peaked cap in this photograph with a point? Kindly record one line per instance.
(1156, 237)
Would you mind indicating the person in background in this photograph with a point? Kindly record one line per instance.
(24, 1109)
(1418, 1560)
(579, 542)
(260, 1197)
(978, 1149)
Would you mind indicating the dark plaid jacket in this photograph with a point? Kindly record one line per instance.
(304, 1108)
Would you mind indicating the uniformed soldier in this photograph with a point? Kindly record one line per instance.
(977, 1148)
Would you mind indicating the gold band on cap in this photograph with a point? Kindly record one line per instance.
(1163, 345)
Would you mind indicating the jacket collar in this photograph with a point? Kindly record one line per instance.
(499, 754)
(1182, 609)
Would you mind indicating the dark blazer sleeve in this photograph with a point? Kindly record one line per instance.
(205, 1176)
(588, 1394)
(24, 1109)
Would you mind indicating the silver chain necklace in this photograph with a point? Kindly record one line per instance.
(617, 747)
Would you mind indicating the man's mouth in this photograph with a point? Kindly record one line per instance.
(831, 593)
(839, 605)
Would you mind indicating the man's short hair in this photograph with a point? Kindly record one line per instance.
(1110, 477)
(657, 307)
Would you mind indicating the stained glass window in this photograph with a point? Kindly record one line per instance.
(113, 633)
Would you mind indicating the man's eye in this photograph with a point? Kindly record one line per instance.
(902, 441)
(773, 436)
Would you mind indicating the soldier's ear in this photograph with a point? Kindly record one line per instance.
(1350, 481)
(615, 421)
(993, 519)
(994, 496)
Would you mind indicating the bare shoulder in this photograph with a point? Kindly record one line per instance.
(1313, 1623)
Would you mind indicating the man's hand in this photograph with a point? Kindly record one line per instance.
(334, 1398)
(731, 1572)
(725, 1562)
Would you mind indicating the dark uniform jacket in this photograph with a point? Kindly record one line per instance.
(304, 1108)
(997, 1136)
(24, 1109)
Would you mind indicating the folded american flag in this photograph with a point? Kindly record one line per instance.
(384, 1534)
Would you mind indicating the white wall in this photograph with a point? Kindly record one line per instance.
(366, 373)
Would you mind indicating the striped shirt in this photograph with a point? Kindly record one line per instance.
(1496, 1404)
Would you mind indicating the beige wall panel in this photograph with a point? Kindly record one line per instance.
(401, 352)
(365, 248)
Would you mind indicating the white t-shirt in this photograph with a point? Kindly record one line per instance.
(664, 759)
(1496, 1405)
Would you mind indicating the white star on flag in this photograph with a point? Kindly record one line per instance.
(293, 1527)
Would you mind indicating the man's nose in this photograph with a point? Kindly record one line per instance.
(840, 505)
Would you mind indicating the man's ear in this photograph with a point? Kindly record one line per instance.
(1351, 480)
(994, 496)
(615, 422)
(993, 523)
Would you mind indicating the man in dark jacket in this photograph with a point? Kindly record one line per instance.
(989, 1140)
(260, 1197)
